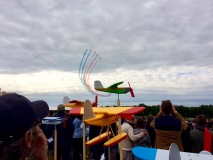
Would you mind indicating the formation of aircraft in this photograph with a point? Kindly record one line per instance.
(114, 88)
(144, 153)
(104, 117)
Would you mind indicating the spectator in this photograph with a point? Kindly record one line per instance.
(193, 123)
(127, 143)
(168, 128)
(78, 138)
(209, 124)
(197, 135)
(20, 134)
(140, 127)
(151, 130)
(64, 134)
(185, 138)
(190, 125)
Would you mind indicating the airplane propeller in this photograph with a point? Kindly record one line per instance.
(95, 104)
(131, 90)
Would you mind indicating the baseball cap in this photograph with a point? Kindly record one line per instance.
(18, 115)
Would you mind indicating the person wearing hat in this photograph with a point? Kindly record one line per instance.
(168, 125)
(64, 134)
(127, 143)
(20, 134)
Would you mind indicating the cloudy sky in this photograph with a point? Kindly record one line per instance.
(162, 47)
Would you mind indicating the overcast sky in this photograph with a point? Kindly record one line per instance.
(162, 47)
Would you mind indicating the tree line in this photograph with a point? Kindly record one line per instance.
(189, 112)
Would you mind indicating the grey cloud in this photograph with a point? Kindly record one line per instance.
(137, 35)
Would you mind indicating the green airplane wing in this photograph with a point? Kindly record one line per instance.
(115, 85)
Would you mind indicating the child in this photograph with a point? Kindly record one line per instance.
(140, 127)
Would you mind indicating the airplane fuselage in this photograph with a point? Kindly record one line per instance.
(101, 120)
(114, 90)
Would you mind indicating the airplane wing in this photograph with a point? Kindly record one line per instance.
(172, 154)
(115, 85)
(109, 110)
(76, 101)
(74, 104)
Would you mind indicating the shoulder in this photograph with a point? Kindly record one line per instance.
(138, 130)
(126, 125)
(196, 131)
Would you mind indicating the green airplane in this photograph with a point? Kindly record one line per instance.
(114, 88)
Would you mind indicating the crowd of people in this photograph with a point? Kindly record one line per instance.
(168, 127)
(22, 136)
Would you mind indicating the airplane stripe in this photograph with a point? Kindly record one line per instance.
(109, 110)
(75, 111)
(145, 153)
(133, 110)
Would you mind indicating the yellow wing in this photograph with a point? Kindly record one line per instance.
(74, 104)
(109, 110)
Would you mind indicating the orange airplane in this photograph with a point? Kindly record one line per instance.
(72, 104)
(104, 117)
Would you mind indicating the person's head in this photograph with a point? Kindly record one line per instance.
(140, 123)
(149, 119)
(200, 120)
(61, 108)
(19, 119)
(166, 107)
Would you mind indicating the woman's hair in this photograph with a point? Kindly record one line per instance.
(149, 119)
(140, 123)
(201, 120)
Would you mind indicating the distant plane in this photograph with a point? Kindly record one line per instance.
(114, 88)
(76, 103)
(72, 103)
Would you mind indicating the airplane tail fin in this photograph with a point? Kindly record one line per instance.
(174, 153)
(98, 84)
(88, 113)
(66, 100)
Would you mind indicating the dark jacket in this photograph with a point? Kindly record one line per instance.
(64, 131)
(197, 139)
(152, 134)
(168, 130)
